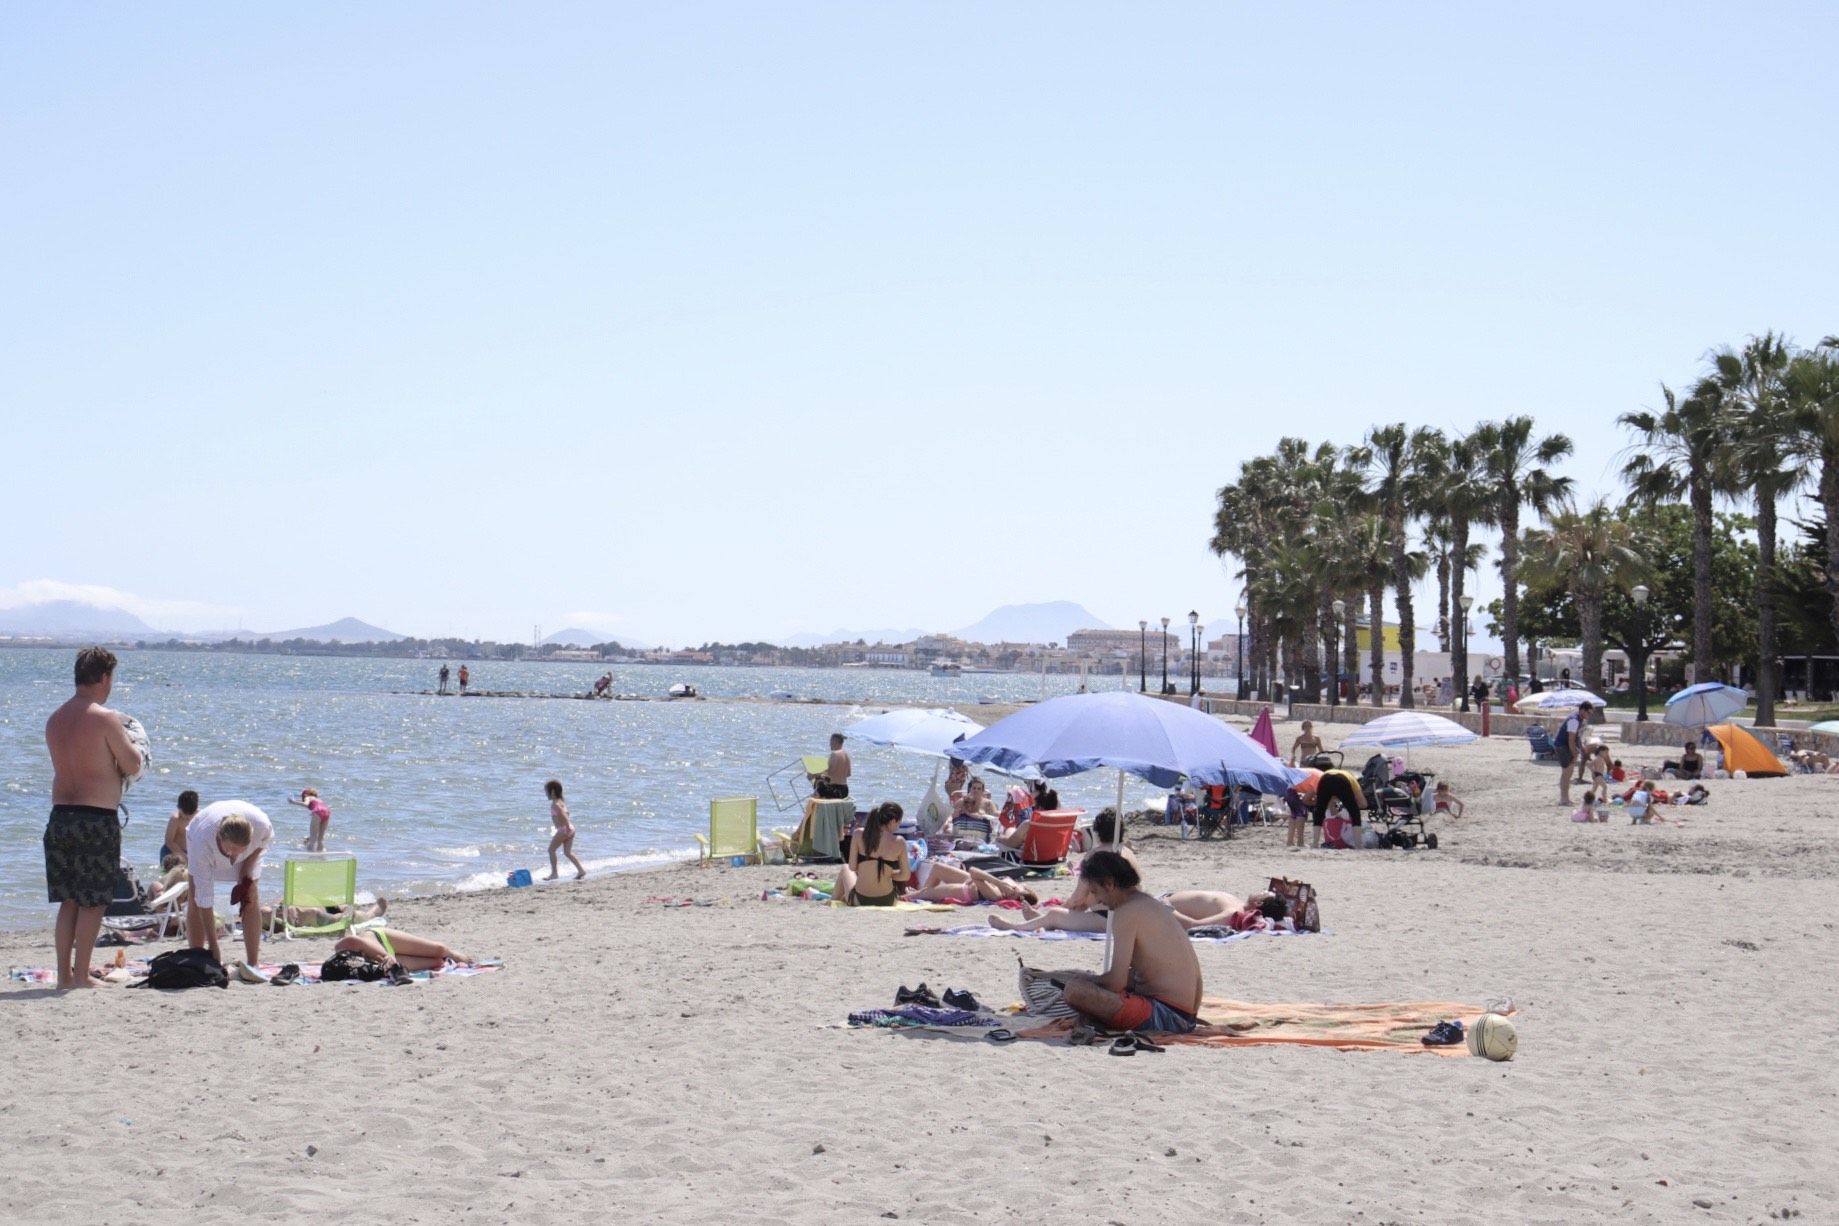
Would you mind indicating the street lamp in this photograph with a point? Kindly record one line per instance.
(1142, 656)
(1240, 611)
(1462, 683)
(1334, 651)
(1639, 654)
(1165, 655)
(1193, 652)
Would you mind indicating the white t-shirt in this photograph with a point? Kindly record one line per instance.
(208, 865)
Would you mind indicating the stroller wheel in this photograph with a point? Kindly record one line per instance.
(1430, 842)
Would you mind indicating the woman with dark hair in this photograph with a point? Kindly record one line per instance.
(876, 865)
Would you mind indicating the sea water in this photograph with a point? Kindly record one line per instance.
(442, 794)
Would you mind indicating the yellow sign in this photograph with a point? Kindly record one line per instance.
(1364, 640)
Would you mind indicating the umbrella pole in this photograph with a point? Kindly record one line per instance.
(1118, 830)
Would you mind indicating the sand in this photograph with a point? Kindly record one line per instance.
(690, 1064)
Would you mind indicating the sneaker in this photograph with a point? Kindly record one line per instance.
(1443, 1034)
(922, 995)
(286, 975)
(956, 999)
(398, 977)
(249, 974)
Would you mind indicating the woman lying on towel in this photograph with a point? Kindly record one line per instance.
(875, 868)
(398, 949)
(938, 882)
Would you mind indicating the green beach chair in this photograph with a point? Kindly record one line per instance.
(733, 828)
(331, 882)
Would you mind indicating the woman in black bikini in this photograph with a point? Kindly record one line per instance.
(877, 863)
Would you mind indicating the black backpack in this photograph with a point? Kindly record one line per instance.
(185, 968)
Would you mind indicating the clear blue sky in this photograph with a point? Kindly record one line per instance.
(736, 320)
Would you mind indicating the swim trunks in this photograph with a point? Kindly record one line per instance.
(82, 855)
(1151, 1013)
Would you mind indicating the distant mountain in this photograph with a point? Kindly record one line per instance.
(576, 637)
(1032, 623)
(72, 619)
(344, 630)
(850, 636)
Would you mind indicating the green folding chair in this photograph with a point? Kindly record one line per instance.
(733, 828)
(330, 882)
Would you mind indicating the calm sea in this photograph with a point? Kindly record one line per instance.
(441, 794)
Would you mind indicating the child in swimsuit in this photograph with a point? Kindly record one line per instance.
(1446, 801)
(318, 818)
(564, 838)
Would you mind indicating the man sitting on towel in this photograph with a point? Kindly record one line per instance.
(1153, 982)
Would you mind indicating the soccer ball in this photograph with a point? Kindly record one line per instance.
(1493, 1036)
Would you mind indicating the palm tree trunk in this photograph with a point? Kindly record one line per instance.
(1590, 621)
(1829, 505)
(1376, 642)
(1443, 604)
(1350, 650)
(1701, 577)
(1407, 628)
(1510, 583)
(1765, 607)
(1459, 642)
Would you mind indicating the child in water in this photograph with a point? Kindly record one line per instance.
(318, 818)
(564, 839)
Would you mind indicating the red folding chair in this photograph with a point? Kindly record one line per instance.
(1049, 837)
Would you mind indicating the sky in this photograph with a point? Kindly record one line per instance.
(729, 321)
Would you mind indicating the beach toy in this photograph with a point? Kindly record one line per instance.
(517, 877)
(1740, 775)
(137, 737)
(1493, 1036)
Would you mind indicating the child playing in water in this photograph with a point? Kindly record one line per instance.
(1446, 801)
(318, 818)
(564, 839)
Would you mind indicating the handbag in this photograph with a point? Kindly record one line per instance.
(1299, 898)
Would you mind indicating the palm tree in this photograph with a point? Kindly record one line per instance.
(1676, 451)
(1763, 461)
(1394, 485)
(1813, 399)
(1515, 469)
(1584, 553)
(1369, 565)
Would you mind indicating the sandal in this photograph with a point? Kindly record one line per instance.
(1124, 1045)
(1002, 1034)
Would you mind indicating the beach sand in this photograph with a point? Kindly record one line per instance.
(684, 1064)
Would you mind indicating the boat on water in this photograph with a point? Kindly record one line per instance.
(682, 689)
(946, 668)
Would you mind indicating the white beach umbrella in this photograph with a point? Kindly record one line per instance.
(1407, 729)
(1558, 700)
(924, 730)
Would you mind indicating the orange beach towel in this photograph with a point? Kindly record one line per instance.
(1387, 1026)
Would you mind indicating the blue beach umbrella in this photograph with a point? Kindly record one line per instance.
(1146, 737)
(1709, 702)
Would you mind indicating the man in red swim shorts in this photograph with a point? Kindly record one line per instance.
(1153, 982)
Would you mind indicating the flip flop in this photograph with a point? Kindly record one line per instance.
(1124, 1045)
(1145, 1044)
(1001, 1034)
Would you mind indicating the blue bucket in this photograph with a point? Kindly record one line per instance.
(517, 877)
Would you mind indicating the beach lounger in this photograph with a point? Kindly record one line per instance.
(165, 913)
(1050, 836)
(733, 828)
(323, 882)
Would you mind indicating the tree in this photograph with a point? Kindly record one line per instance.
(1515, 468)
(1676, 451)
(1457, 498)
(1812, 389)
(1764, 461)
(1587, 552)
(1395, 484)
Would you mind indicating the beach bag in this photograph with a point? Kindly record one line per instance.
(185, 968)
(348, 964)
(1299, 897)
(1042, 995)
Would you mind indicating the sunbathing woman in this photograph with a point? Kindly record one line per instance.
(876, 866)
(406, 950)
(940, 882)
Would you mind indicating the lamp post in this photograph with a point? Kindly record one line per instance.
(1165, 655)
(1639, 654)
(1240, 611)
(1142, 656)
(1334, 652)
(1193, 653)
(1462, 682)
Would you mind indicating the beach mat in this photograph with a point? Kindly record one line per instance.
(1046, 934)
(1381, 1026)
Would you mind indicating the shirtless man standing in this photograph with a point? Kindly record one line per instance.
(1153, 982)
(90, 755)
(1306, 745)
(833, 784)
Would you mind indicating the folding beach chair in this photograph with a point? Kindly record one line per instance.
(973, 830)
(1540, 741)
(733, 828)
(165, 913)
(324, 882)
(1049, 837)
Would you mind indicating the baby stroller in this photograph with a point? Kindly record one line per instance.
(1392, 807)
